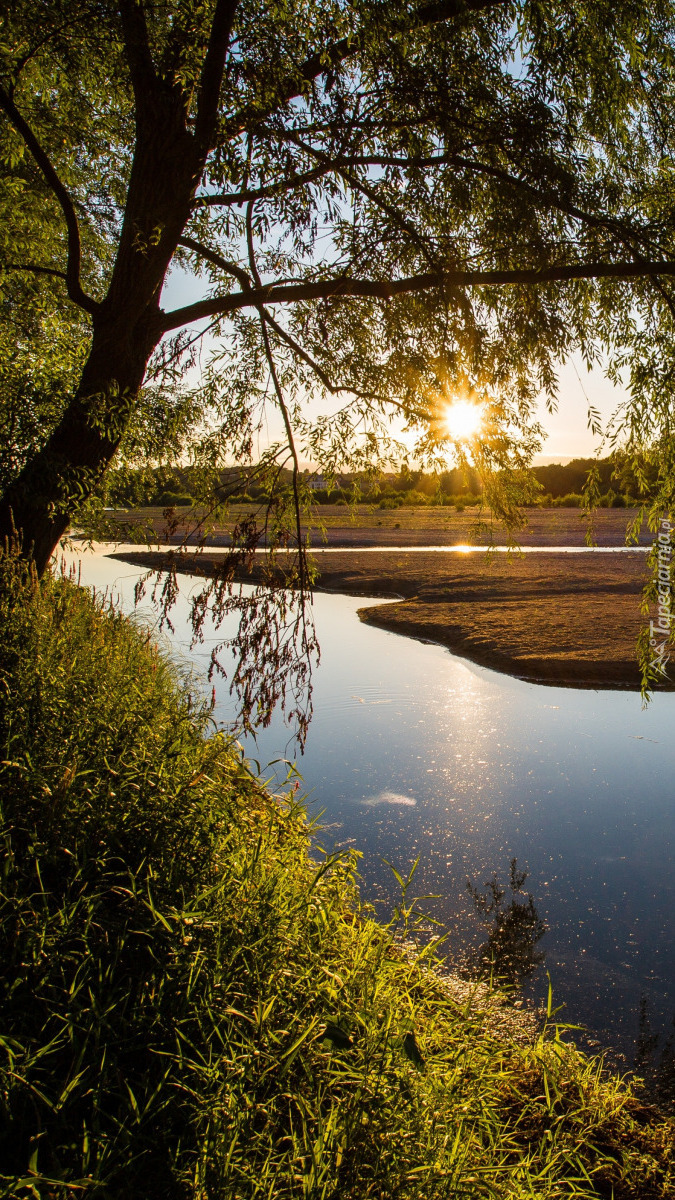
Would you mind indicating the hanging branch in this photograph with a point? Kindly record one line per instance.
(76, 292)
(279, 394)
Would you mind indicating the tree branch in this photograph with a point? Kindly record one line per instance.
(35, 268)
(341, 164)
(334, 389)
(278, 390)
(262, 193)
(369, 192)
(302, 354)
(605, 222)
(332, 56)
(72, 275)
(625, 235)
(291, 444)
(216, 260)
(243, 277)
(137, 47)
(212, 72)
(385, 289)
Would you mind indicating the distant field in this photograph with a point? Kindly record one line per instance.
(337, 525)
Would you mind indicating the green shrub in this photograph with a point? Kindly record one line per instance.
(334, 496)
(571, 500)
(174, 500)
(413, 499)
(460, 501)
(195, 1006)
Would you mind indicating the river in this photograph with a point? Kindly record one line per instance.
(415, 751)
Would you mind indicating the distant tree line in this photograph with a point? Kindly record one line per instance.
(559, 484)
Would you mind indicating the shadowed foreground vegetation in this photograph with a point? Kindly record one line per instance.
(194, 1002)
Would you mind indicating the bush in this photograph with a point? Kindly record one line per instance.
(460, 501)
(323, 496)
(174, 500)
(571, 500)
(193, 1006)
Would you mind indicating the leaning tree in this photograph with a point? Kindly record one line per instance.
(383, 200)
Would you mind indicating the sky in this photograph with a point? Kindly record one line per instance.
(567, 430)
(567, 433)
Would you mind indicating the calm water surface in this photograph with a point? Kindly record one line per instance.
(414, 751)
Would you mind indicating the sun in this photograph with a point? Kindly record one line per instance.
(463, 420)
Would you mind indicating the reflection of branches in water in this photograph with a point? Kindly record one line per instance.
(657, 1068)
(509, 952)
(275, 648)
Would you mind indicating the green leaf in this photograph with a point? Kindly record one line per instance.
(412, 1050)
(338, 1036)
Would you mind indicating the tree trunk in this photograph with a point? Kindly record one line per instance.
(36, 509)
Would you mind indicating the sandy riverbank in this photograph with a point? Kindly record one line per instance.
(554, 618)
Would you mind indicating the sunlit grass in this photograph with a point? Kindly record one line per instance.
(196, 1005)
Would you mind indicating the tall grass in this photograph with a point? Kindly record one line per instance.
(195, 1005)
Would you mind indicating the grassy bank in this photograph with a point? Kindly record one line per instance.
(193, 1004)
